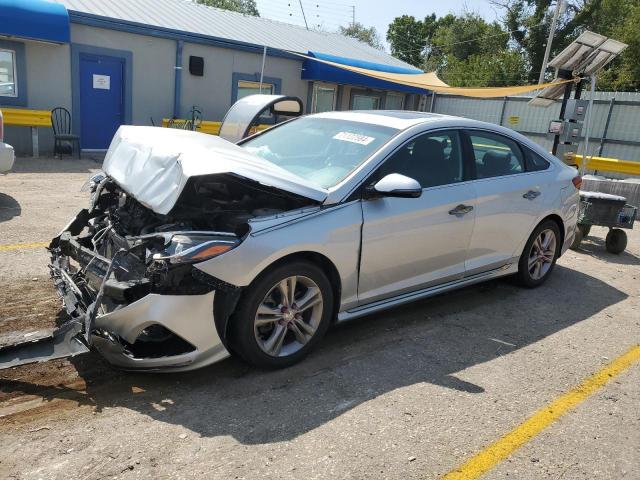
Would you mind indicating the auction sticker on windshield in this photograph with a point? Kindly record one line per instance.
(354, 138)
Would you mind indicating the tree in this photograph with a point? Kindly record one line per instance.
(619, 19)
(248, 7)
(529, 22)
(362, 33)
(407, 38)
(465, 50)
(499, 69)
(468, 35)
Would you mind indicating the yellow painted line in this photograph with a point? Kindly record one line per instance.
(23, 246)
(493, 454)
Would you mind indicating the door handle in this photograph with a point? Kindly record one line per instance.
(531, 195)
(461, 210)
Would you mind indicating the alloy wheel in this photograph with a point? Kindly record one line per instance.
(288, 316)
(542, 254)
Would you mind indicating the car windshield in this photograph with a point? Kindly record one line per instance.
(321, 150)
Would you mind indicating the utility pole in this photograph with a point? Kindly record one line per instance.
(552, 32)
(303, 15)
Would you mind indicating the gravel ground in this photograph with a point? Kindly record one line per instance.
(409, 393)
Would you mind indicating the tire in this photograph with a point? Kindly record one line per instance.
(282, 322)
(536, 265)
(577, 239)
(585, 229)
(616, 241)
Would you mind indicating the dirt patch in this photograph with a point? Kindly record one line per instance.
(28, 306)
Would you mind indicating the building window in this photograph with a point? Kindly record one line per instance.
(246, 88)
(365, 102)
(8, 76)
(394, 101)
(324, 98)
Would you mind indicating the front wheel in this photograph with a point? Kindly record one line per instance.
(282, 315)
(540, 254)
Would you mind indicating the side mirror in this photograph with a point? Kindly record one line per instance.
(396, 185)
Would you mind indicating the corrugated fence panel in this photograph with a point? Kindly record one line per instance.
(624, 125)
(484, 110)
(529, 119)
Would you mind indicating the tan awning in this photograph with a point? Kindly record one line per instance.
(430, 81)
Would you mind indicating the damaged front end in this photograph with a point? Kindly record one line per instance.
(125, 268)
(127, 278)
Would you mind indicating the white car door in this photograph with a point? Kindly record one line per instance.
(509, 200)
(413, 243)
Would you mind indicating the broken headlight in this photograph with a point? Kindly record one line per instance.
(192, 247)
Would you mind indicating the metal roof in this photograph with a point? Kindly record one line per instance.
(188, 16)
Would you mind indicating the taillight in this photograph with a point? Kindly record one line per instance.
(577, 181)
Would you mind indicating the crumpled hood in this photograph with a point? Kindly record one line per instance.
(153, 164)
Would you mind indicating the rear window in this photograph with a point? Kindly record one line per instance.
(535, 162)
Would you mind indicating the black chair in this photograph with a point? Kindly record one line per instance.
(196, 117)
(63, 139)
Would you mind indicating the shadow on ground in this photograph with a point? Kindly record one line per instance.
(595, 246)
(9, 207)
(86, 164)
(429, 341)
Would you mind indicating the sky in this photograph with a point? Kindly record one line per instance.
(330, 14)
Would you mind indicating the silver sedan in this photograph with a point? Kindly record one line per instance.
(194, 247)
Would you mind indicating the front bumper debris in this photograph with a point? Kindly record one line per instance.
(114, 311)
(64, 342)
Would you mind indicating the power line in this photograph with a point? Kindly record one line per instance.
(508, 32)
(316, 15)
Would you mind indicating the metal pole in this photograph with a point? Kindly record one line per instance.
(303, 15)
(588, 125)
(563, 74)
(606, 126)
(504, 107)
(177, 83)
(433, 101)
(547, 50)
(264, 59)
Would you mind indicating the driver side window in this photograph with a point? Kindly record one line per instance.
(432, 159)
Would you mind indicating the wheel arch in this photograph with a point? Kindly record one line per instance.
(558, 220)
(321, 261)
(226, 302)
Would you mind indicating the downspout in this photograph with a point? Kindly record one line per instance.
(177, 91)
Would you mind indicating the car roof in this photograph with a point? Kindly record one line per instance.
(403, 119)
(398, 119)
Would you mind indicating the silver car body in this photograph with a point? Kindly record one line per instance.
(385, 251)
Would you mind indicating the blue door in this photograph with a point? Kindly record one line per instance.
(101, 99)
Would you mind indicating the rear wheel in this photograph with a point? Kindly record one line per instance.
(540, 254)
(577, 239)
(283, 315)
(585, 229)
(616, 241)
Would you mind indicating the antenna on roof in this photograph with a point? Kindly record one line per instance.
(303, 15)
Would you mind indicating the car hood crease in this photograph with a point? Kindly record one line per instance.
(153, 165)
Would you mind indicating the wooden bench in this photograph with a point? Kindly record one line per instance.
(22, 117)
